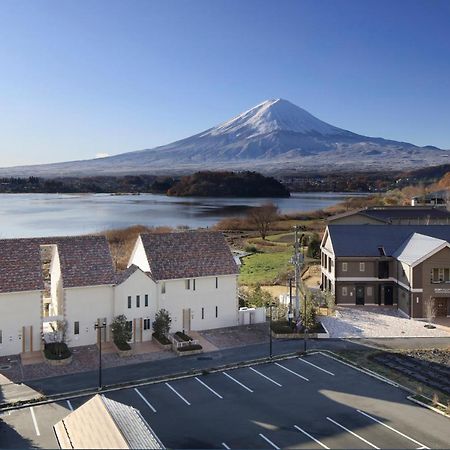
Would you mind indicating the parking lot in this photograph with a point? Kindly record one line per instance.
(310, 402)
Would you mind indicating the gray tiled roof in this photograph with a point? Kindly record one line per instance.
(364, 240)
(134, 429)
(416, 247)
(392, 214)
(125, 274)
(85, 261)
(188, 255)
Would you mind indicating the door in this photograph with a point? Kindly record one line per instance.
(388, 295)
(441, 307)
(187, 319)
(359, 295)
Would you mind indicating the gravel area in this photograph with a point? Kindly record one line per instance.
(375, 322)
(237, 336)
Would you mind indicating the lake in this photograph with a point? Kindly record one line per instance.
(28, 215)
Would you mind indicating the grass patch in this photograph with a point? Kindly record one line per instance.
(264, 268)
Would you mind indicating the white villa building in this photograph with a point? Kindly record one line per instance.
(191, 274)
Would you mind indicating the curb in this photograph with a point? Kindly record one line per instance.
(425, 405)
(142, 382)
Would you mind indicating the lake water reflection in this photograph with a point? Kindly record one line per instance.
(25, 215)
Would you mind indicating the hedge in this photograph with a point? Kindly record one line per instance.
(57, 351)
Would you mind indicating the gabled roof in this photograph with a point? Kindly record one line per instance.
(105, 423)
(188, 254)
(85, 261)
(364, 240)
(392, 214)
(125, 274)
(418, 246)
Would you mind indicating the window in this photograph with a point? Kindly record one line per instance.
(146, 300)
(129, 301)
(217, 282)
(129, 325)
(369, 291)
(163, 287)
(217, 312)
(146, 324)
(193, 284)
(76, 328)
(187, 284)
(344, 291)
(440, 275)
(203, 313)
(362, 267)
(138, 301)
(1, 337)
(344, 267)
(446, 275)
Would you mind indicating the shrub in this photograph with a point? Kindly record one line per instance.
(282, 327)
(121, 331)
(188, 348)
(56, 351)
(183, 336)
(251, 249)
(123, 346)
(161, 339)
(161, 324)
(257, 297)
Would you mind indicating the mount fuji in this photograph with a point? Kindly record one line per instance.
(274, 136)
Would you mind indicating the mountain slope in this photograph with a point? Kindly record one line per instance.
(275, 135)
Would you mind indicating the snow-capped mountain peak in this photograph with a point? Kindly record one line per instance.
(275, 115)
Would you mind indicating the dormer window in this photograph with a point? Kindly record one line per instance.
(381, 251)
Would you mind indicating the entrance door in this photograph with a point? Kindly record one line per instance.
(187, 319)
(441, 307)
(388, 295)
(360, 295)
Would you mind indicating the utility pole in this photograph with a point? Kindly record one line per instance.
(290, 315)
(297, 260)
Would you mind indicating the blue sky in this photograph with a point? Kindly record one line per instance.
(79, 78)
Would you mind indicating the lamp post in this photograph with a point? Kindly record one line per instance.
(99, 327)
(270, 305)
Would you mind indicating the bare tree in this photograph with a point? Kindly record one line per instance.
(262, 218)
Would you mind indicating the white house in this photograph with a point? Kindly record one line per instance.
(194, 275)
(44, 280)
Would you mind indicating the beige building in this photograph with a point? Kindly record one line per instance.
(104, 424)
(403, 265)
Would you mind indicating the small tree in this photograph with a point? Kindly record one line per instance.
(309, 312)
(262, 218)
(120, 330)
(330, 301)
(161, 324)
(313, 246)
(257, 297)
(58, 336)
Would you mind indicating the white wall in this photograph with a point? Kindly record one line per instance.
(206, 296)
(16, 311)
(137, 284)
(86, 305)
(139, 257)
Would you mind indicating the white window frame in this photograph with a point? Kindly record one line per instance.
(344, 267)
(76, 325)
(344, 291)
(362, 266)
(369, 291)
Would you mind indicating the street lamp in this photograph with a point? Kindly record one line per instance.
(270, 306)
(99, 327)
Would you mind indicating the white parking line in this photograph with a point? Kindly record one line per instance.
(145, 400)
(293, 373)
(265, 376)
(393, 429)
(69, 405)
(225, 446)
(34, 421)
(179, 395)
(270, 442)
(207, 387)
(311, 437)
(238, 382)
(317, 367)
(353, 433)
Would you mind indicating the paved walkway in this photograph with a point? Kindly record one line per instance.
(376, 322)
